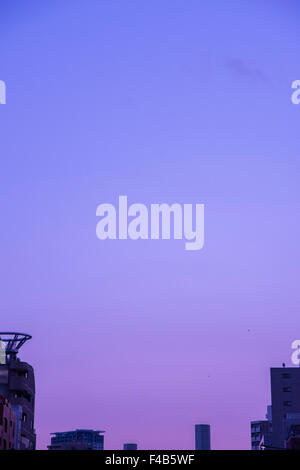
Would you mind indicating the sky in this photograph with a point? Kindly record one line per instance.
(173, 101)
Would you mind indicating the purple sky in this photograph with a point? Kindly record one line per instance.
(169, 101)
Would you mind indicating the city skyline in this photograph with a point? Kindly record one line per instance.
(279, 430)
(161, 101)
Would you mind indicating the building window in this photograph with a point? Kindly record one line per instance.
(5, 424)
(286, 376)
(287, 389)
(287, 403)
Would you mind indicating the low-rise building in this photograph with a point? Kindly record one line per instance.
(80, 439)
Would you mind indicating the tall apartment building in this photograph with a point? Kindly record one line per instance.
(17, 385)
(285, 390)
(282, 426)
(202, 437)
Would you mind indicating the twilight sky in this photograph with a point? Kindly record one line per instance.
(163, 101)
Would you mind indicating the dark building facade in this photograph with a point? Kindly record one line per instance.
(285, 390)
(7, 425)
(80, 439)
(293, 441)
(259, 431)
(130, 446)
(202, 437)
(281, 430)
(17, 385)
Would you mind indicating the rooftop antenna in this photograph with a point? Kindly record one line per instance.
(13, 341)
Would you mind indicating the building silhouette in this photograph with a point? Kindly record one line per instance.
(202, 437)
(285, 391)
(260, 431)
(80, 439)
(293, 441)
(282, 428)
(17, 385)
(130, 446)
(7, 425)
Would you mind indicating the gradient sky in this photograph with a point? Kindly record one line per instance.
(164, 101)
